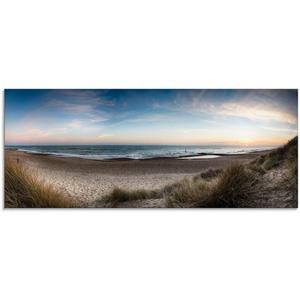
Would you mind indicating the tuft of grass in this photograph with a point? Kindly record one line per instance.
(23, 189)
(119, 195)
(187, 193)
(287, 153)
(261, 160)
(288, 182)
(234, 188)
(254, 167)
(292, 155)
(291, 178)
(271, 162)
(208, 175)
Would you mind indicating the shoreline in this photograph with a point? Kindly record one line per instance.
(201, 155)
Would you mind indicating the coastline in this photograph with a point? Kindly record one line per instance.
(201, 155)
(87, 180)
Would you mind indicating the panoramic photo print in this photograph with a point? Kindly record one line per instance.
(154, 148)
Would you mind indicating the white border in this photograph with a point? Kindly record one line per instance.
(149, 254)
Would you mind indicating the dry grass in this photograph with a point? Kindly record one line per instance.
(22, 189)
(256, 168)
(232, 187)
(285, 154)
(291, 178)
(209, 174)
(119, 195)
(188, 193)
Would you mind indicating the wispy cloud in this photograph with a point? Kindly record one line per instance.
(84, 103)
(75, 124)
(72, 106)
(76, 106)
(193, 130)
(278, 129)
(91, 96)
(149, 118)
(55, 136)
(103, 136)
(256, 111)
(258, 105)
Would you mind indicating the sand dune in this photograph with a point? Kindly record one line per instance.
(89, 180)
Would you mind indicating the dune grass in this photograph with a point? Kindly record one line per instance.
(232, 187)
(291, 178)
(119, 195)
(208, 175)
(188, 193)
(286, 154)
(23, 189)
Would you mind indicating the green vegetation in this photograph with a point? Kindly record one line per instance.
(22, 189)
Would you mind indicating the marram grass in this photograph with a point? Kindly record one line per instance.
(23, 189)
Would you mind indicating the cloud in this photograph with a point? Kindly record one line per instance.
(193, 130)
(190, 116)
(76, 106)
(28, 135)
(94, 118)
(280, 129)
(87, 103)
(92, 96)
(54, 136)
(149, 118)
(38, 133)
(75, 124)
(256, 111)
(251, 104)
(102, 136)
(72, 107)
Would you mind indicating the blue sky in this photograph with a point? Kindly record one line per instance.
(195, 117)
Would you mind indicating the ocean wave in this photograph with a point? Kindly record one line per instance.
(135, 152)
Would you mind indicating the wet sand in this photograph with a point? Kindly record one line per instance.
(89, 180)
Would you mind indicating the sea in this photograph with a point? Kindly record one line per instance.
(102, 152)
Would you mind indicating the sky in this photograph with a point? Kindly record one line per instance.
(167, 117)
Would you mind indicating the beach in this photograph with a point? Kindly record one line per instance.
(87, 180)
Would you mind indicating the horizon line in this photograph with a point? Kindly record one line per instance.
(187, 145)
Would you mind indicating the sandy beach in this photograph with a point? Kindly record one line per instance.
(89, 180)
